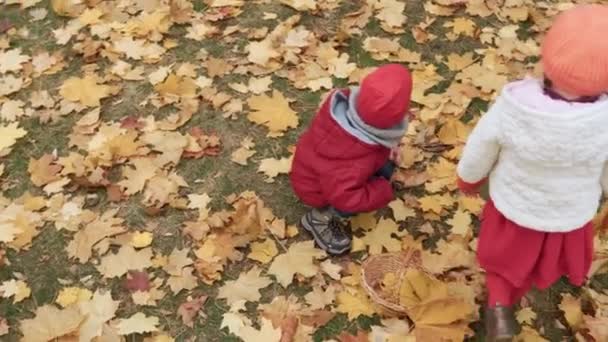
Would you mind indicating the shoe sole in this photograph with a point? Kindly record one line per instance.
(304, 223)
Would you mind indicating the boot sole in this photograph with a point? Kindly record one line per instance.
(306, 225)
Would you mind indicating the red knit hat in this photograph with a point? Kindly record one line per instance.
(384, 96)
(575, 51)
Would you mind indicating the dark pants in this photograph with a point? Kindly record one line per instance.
(386, 172)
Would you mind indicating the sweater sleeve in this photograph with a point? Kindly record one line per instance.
(604, 179)
(481, 150)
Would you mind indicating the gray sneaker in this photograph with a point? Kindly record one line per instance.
(328, 230)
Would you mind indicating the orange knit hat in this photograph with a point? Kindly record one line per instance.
(575, 51)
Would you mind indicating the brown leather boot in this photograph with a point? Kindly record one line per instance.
(501, 325)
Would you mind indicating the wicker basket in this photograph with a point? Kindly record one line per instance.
(377, 266)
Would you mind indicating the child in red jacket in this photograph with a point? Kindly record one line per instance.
(344, 161)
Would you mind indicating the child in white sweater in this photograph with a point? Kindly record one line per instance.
(544, 147)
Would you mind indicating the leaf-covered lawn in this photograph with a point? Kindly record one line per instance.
(144, 147)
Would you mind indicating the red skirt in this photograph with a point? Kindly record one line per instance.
(527, 257)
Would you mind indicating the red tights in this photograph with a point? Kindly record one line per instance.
(501, 291)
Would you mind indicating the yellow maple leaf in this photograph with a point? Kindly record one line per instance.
(526, 316)
(299, 259)
(571, 307)
(70, 295)
(273, 112)
(177, 86)
(365, 221)
(462, 26)
(84, 90)
(263, 251)
(98, 310)
(431, 203)
(381, 237)
(261, 52)
(472, 204)
(245, 289)
(461, 223)
(400, 211)
(51, 323)
(267, 333)
(17, 289)
(528, 334)
(273, 167)
(139, 323)
(9, 134)
(141, 239)
(458, 62)
(12, 60)
(449, 255)
(354, 303)
(127, 259)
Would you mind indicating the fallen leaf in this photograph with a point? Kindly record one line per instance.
(263, 251)
(127, 259)
(50, 323)
(70, 295)
(85, 90)
(273, 167)
(571, 307)
(189, 309)
(99, 310)
(381, 237)
(139, 323)
(137, 281)
(245, 289)
(267, 333)
(273, 112)
(299, 259)
(354, 304)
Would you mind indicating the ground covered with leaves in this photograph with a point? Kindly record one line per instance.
(144, 147)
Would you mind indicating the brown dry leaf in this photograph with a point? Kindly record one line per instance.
(106, 225)
(273, 112)
(598, 327)
(299, 259)
(51, 323)
(189, 309)
(361, 336)
(4, 327)
(84, 90)
(44, 170)
(244, 152)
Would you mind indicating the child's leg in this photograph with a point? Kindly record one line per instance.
(327, 228)
(501, 291)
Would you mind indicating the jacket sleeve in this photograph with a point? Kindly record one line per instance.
(481, 150)
(353, 192)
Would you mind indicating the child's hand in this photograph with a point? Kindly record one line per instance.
(395, 155)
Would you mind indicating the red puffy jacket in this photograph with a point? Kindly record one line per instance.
(333, 168)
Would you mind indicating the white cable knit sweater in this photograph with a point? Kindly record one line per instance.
(546, 169)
